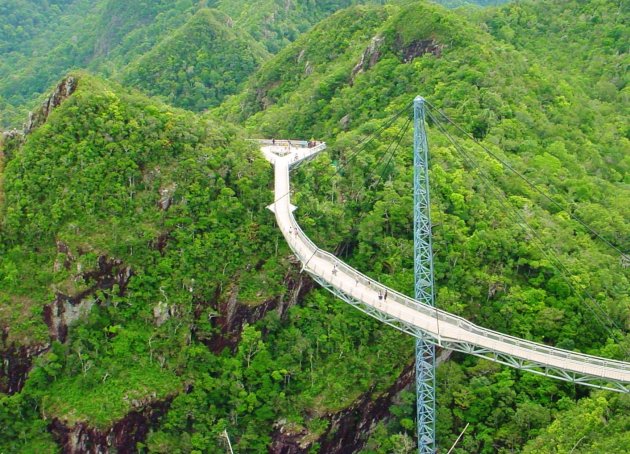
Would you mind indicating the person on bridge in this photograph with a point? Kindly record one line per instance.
(334, 271)
(385, 296)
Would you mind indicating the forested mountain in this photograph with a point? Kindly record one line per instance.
(556, 131)
(42, 40)
(103, 35)
(148, 302)
(199, 64)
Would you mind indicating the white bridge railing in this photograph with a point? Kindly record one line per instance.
(325, 266)
(307, 250)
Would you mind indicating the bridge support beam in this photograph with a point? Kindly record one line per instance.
(423, 275)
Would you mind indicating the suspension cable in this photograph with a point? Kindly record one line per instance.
(400, 137)
(601, 316)
(528, 182)
(363, 145)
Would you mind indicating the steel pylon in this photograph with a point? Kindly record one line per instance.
(423, 275)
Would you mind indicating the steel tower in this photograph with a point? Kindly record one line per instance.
(423, 275)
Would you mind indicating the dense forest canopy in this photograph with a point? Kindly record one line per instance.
(147, 300)
(43, 40)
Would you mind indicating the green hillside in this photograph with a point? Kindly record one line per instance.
(178, 231)
(148, 302)
(104, 35)
(162, 177)
(198, 65)
(42, 41)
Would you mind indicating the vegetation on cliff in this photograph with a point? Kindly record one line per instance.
(176, 196)
(135, 246)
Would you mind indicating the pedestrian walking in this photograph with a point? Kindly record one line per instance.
(380, 296)
(385, 297)
(334, 271)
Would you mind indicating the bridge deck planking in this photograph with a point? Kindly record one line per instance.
(443, 327)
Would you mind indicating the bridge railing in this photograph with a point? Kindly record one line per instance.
(310, 250)
(289, 142)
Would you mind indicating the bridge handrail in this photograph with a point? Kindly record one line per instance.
(440, 314)
(287, 142)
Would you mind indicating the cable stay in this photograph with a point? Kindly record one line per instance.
(403, 131)
(517, 218)
(505, 164)
(362, 146)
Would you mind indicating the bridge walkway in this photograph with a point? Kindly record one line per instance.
(414, 317)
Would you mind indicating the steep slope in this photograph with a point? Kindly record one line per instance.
(310, 67)
(135, 249)
(594, 60)
(102, 35)
(98, 204)
(198, 65)
(277, 23)
(30, 31)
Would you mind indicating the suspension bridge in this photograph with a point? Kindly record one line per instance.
(418, 316)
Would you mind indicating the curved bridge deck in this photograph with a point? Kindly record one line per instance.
(418, 319)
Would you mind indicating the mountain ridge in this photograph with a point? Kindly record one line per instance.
(148, 302)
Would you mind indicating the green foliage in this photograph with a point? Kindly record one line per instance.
(21, 429)
(102, 35)
(105, 141)
(199, 64)
(94, 178)
(597, 424)
(295, 74)
(553, 130)
(321, 358)
(277, 23)
(42, 41)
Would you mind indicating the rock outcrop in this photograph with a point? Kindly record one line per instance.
(9, 142)
(62, 92)
(368, 59)
(420, 47)
(15, 363)
(65, 309)
(233, 315)
(121, 438)
(348, 429)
